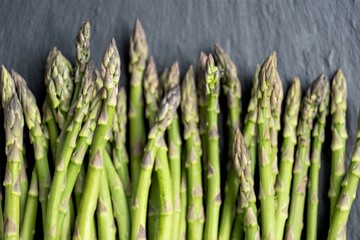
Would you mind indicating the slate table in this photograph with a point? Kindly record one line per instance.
(310, 37)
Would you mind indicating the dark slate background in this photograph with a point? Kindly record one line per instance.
(310, 37)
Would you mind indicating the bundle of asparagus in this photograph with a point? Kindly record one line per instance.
(172, 189)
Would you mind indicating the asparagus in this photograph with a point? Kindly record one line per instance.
(213, 199)
(52, 128)
(164, 118)
(29, 221)
(242, 165)
(24, 186)
(348, 194)
(339, 136)
(202, 103)
(318, 135)
(308, 110)
(232, 89)
(183, 202)
(174, 142)
(119, 201)
(1, 218)
(283, 181)
(60, 87)
(110, 72)
(276, 98)
(138, 55)
(190, 119)
(65, 149)
(33, 122)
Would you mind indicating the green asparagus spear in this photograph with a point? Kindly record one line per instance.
(164, 118)
(1, 218)
(49, 120)
(267, 77)
(348, 194)
(24, 186)
(65, 149)
(190, 119)
(183, 202)
(138, 55)
(213, 199)
(339, 136)
(318, 137)
(308, 110)
(110, 72)
(29, 221)
(232, 89)
(33, 122)
(242, 166)
(174, 143)
(283, 181)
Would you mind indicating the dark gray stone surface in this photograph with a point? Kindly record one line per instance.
(310, 37)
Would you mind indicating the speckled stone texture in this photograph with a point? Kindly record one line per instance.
(310, 37)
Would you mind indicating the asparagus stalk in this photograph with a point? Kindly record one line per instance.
(110, 72)
(174, 143)
(339, 136)
(33, 122)
(1, 218)
(348, 194)
(202, 103)
(24, 186)
(213, 199)
(283, 181)
(164, 118)
(308, 110)
(318, 135)
(242, 165)
(52, 128)
(276, 98)
(190, 119)
(266, 192)
(183, 202)
(29, 221)
(138, 55)
(232, 89)
(65, 149)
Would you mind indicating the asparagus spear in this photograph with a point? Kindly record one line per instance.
(318, 135)
(1, 218)
(65, 149)
(242, 165)
(164, 118)
(232, 89)
(214, 192)
(339, 136)
(110, 72)
(138, 55)
(24, 186)
(348, 194)
(33, 122)
(190, 119)
(308, 110)
(174, 143)
(49, 120)
(183, 202)
(29, 221)
(202, 103)
(283, 181)
(276, 98)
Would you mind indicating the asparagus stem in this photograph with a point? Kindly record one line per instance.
(13, 123)
(79, 185)
(232, 89)
(214, 192)
(183, 202)
(29, 221)
(138, 55)
(348, 194)
(24, 187)
(52, 128)
(174, 154)
(308, 110)
(283, 181)
(119, 201)
(110, 72)
(266, 192)
(318, 135)
(242, 166)
(202, 103)
(1, 218)
(105, 217)
(190, 119)
(339, 136)
(65, 149)
(33, 122)
(164, 118)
